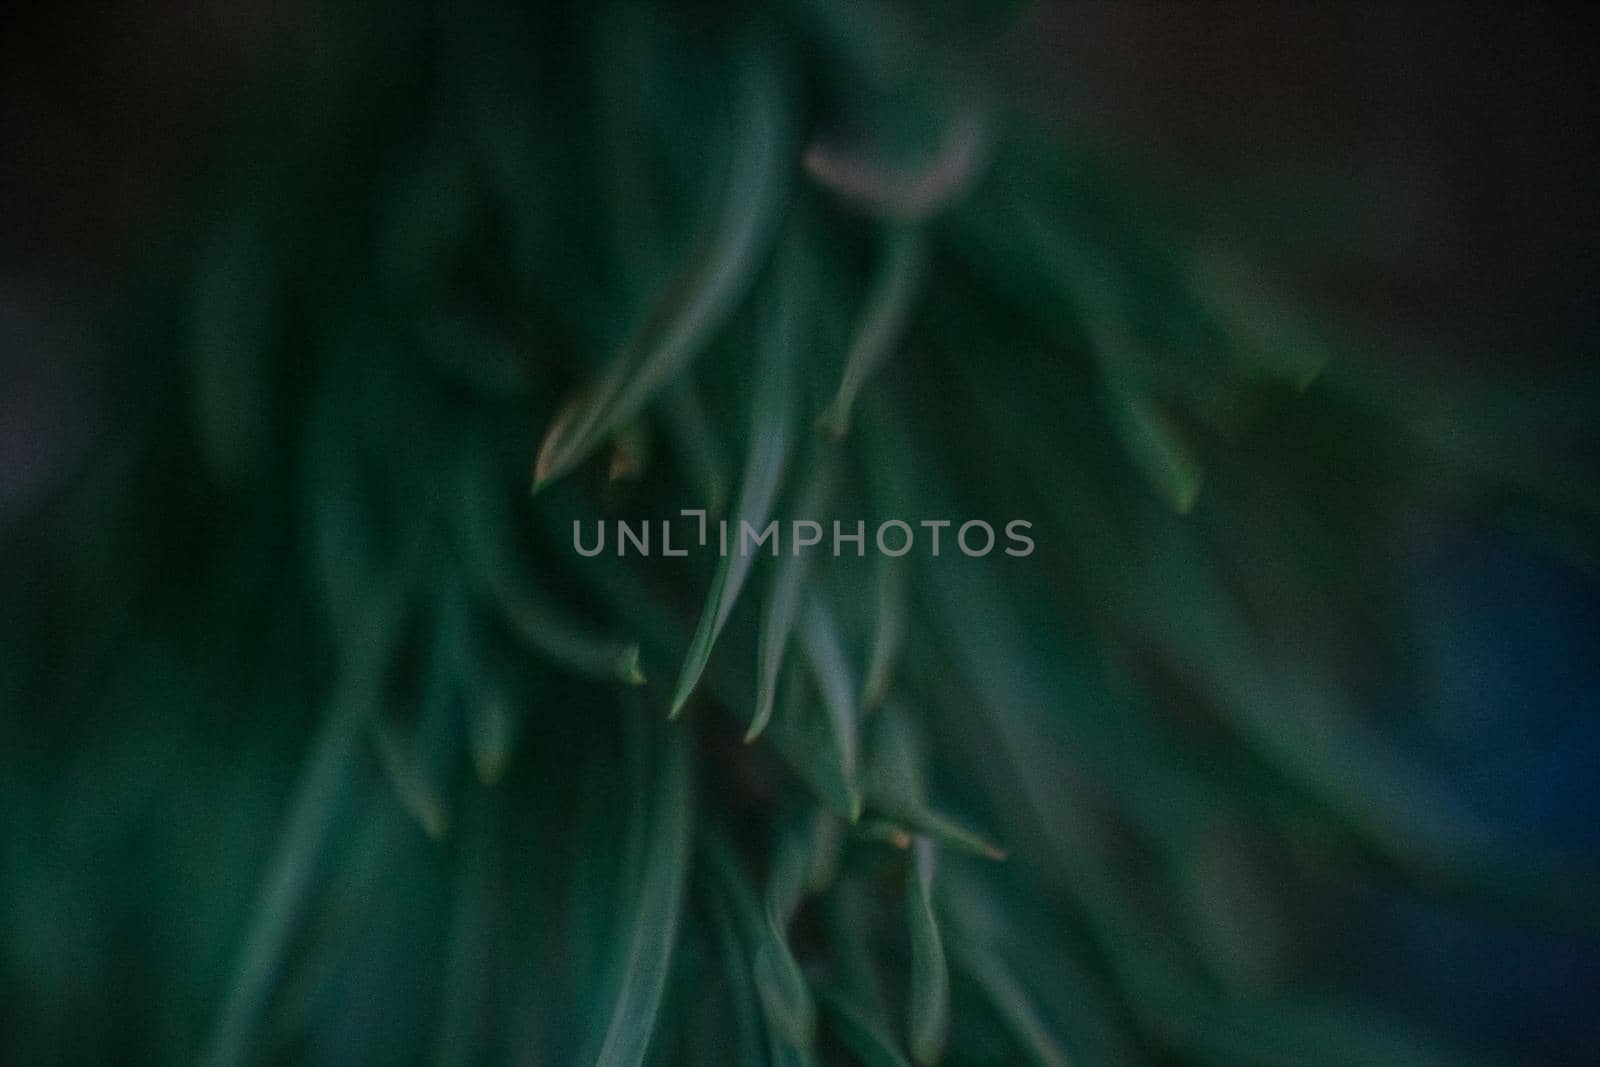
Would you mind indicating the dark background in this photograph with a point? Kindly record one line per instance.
(1426, 168)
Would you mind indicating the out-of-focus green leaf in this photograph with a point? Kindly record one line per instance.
(903, 193)
(489, 695)
(928, 997)
(416, 790)
(699, 447)
(771, 440)
(711, 284)
(321, 793)
(747, 1026)
(1263, 327)
(781, 988)
(911, 137)
(630, 453)
(889, 619)
(484, 538)
(1159, 451)
(782, 606)
(868, 1041)
(472, 993)
(1011, 1002)
(882, 320)
(819, 636)
(896, 787)
(654, 928)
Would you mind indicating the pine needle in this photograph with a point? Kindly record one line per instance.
(654, 928)
(903, 262)
(771, 440)
(709, 286)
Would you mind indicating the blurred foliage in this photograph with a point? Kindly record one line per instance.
(321, 743)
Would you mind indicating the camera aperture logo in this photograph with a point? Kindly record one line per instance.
(891, 537)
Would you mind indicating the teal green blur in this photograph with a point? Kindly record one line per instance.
(321, 743)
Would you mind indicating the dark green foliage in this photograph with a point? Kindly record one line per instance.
(1049, 809)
